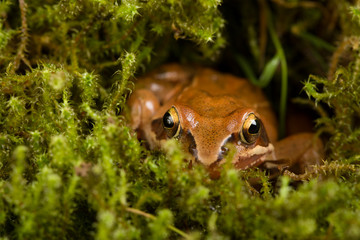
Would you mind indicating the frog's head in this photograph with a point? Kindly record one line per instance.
(207, 133)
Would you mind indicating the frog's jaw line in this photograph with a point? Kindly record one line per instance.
(258, 150)
(254, 163)
(252, 157)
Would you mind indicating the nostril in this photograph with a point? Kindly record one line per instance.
(223, 152)
(193, 151)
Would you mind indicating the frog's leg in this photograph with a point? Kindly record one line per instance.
(143, 104)
(152, 97)
(297, 154)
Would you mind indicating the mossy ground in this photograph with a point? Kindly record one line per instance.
(70, 167)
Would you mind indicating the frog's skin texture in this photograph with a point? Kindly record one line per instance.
(207, 112)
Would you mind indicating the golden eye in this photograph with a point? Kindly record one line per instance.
(171, 122)
(251, 129)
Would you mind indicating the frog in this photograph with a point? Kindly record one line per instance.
(210, 113)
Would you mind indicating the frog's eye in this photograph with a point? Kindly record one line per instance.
(251, 129)
(171, 122)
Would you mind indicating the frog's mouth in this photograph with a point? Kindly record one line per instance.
(252, 157)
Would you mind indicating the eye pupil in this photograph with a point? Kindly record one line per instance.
(254, 127)
(168, 120)
(251, 129)
(171, 123)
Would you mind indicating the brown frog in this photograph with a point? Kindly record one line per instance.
(208, 111)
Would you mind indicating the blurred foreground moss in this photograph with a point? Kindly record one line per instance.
(70, 168)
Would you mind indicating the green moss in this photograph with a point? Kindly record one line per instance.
(341, 94)
(70, 167)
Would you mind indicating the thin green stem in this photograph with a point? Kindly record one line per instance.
(284, 75)
(152, 217)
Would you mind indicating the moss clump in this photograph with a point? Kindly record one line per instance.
(70, 167)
